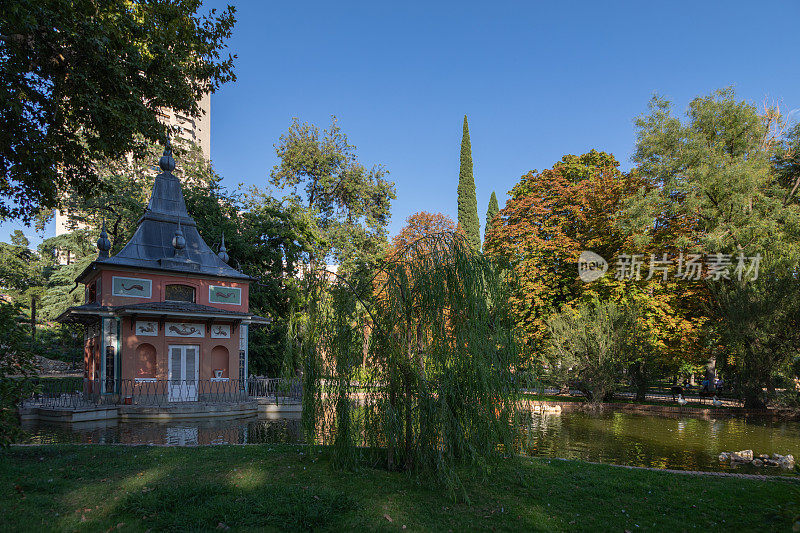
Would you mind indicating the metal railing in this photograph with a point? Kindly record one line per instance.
(281, 390)
(73, 393)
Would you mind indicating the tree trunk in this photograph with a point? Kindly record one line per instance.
(711, 373)
(409, 434)
(393, 411)
(33, 319)
(753, 400)
(641, 393)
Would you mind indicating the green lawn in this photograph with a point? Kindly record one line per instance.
(97, 488)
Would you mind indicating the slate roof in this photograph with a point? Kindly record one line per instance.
(182, 307)
(75, 314)
(151, 247)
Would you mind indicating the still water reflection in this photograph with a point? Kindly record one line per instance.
(619, 438)
(249, 430)
(663, 442)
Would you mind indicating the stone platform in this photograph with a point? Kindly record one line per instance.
(176, 411)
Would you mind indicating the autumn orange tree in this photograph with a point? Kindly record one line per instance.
(554, 215)
(419, 225)
(550, 217)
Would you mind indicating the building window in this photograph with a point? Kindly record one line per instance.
(179, 293)
(92, 296)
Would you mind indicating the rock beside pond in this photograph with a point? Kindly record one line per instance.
(743, 456)
(747, 456)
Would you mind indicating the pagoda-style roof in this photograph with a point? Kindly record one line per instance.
(167, 238)
(90, 312)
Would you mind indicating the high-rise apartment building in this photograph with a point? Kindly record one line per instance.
(196, 130)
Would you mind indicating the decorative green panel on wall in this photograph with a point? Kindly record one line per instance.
(132, 287)
(224, 295)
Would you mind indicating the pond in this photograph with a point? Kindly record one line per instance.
(683, 443)
(613, 437)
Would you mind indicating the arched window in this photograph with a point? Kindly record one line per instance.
(92, 296)
(219, 362)
(179, 293)
(145, 361)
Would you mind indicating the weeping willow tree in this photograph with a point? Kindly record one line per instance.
(414, 365)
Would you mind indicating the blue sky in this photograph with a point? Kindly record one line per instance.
(537, 80)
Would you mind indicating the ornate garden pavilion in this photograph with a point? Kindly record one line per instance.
(166, 316)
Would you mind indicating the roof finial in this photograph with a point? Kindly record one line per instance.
(223, 253)
(179, 242)
(103, 243)
(167, 163)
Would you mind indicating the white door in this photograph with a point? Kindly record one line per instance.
(183, 373)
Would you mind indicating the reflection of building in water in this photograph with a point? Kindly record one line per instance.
(250, 430)
(182, 436)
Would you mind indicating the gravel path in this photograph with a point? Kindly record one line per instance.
(759, 477)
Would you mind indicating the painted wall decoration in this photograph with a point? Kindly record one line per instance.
(221, 331)
(131, 287)
(224, 295)
(184, 329)
(148, 328)
(243, 355)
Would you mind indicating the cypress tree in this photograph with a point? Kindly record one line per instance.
(493, 209)
(467, 201)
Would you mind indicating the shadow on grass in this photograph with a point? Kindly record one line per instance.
(200, 506)
(100, 488)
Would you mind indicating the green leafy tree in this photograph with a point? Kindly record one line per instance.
(596, 341)
(467, 200)
(441, 394)
(759, 323)
(491, 211)
(80, 80)
(16, 363)
(727, 174)
(349, 203)
(715, 171)
(18, 265)
(267, 241)
(60, 290)
(786, 163)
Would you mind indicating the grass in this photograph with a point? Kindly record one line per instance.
(100, 488)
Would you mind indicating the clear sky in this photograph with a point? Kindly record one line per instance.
(537, 80)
